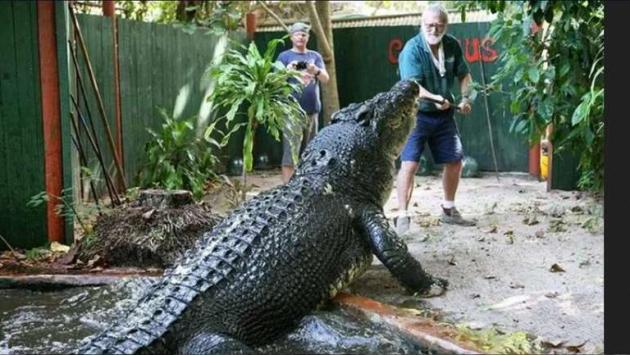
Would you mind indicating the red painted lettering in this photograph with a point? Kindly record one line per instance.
(395, 45)
(475, 49)
(475, 55)
(488, 54)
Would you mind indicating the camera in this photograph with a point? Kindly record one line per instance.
(301, 65)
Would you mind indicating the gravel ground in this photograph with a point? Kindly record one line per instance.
(534, 262)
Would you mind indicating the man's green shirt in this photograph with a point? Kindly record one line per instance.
(415, 62)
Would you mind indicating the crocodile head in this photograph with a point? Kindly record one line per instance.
(356, 152)
(389, 115)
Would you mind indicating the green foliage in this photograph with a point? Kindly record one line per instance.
(260, 86)
(177, 159)
(37, 253)
(218, 16)
(137, 10)
(554, 76)
(65, 207)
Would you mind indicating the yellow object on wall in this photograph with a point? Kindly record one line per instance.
(544, 160)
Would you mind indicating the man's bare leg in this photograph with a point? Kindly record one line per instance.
(404, 189)
(450, 181)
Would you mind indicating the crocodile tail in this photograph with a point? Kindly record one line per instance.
(145, 327)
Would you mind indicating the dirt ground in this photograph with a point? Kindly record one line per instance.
(534, 262)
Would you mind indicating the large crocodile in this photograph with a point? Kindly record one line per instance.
(273, 260)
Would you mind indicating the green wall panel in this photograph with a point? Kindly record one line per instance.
(62, 28)
(21, 135)
(161, 67)
(564, 172)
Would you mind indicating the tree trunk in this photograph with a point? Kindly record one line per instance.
(186, 15)
(330, 95)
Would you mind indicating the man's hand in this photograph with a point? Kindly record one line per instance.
(312, 68)
(465, 107)
(445, 105)
(306, 77)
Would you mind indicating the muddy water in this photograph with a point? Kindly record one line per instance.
(55, 321)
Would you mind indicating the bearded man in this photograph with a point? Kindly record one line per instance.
(434, 58)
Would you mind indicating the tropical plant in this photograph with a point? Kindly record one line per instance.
(177, 159)
(66, 208)
(258, 87)
(552, 71)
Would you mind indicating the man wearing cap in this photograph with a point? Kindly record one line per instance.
(434, 59)
(311, 64)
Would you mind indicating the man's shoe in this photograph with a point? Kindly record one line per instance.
(452, 216)
(401, 224)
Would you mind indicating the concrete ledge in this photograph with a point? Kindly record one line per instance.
(429, 333)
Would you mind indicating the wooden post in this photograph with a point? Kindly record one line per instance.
(51, 117)
(109, 7)
(109, 10)
(250, 25)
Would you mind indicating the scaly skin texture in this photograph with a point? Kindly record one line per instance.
(274, 259)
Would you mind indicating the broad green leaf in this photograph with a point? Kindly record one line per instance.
(581, 112)
(533, 74)
(519, 125)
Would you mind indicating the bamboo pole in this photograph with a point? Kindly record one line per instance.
(108, 181)
(101, 108)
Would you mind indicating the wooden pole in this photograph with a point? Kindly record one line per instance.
(94, 138)
(250, 25)
(101, 108)
(109, 7)
(51, 116)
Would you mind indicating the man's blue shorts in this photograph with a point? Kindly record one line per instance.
(440, 132)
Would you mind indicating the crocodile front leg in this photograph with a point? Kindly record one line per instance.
(392, 251)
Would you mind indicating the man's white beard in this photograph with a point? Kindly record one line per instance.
(431, 39)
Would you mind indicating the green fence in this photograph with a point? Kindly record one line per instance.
(366, 59)
(161, 66)
(21, 135)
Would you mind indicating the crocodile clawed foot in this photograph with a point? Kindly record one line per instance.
(436, 288)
